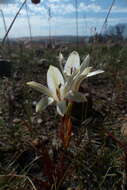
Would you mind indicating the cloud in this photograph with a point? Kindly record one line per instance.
(54, 1)
(16, 1)
(11, 10)
(63, 20)
(59, 25)
(7, 1)
(116, 9)
(37, 10)
(69, 8)
(90, 7)
(62, 9)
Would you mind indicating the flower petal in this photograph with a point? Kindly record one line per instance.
(39, 87)
(94, 73)
(61, 107)
(75, 96)
(61, 58)
(86, 71)
(79, 78)
(69, 82)
(54, 80)
(85, 63)
(43, 103)
(73, 63)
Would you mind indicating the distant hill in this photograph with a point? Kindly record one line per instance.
(64, 38)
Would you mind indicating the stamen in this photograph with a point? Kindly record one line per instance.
(59, 85)
(58, 93)
(74, 69)
(71, 70)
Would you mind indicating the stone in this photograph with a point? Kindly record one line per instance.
(16, 120)
(39, 121)
(124, 129)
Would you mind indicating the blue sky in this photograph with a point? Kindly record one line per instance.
(91, 14)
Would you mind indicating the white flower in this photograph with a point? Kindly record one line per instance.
(72, 63)
(58, 91)
(76, 73)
